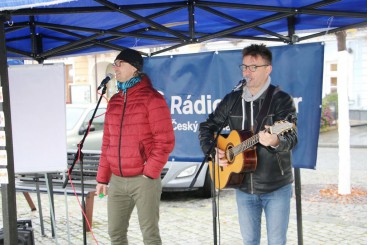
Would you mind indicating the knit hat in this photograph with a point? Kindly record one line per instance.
(132, 57)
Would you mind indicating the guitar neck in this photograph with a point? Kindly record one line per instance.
(246, 144)
(278, 128)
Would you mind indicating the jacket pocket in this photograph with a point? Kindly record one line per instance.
(142, 152)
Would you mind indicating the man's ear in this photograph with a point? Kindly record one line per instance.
(269, 69)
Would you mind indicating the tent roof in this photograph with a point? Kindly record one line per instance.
(87, 26)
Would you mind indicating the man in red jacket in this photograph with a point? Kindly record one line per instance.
(138, 138)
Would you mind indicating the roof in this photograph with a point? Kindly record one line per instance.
(87, 26)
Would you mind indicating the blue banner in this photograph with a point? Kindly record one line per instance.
(193, 85)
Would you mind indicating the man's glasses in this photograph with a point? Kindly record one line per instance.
(117, 63)
(252, 68)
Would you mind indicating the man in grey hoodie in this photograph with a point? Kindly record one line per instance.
(255, 108)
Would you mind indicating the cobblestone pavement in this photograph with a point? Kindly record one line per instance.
(327, 218)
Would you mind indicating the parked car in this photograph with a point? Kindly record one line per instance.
(77, 119)
(176, 176)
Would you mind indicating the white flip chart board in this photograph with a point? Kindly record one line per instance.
(37, 103)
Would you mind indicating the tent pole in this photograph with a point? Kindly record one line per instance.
(8, 193)
(298, 192)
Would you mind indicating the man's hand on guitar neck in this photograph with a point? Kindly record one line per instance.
(267, 139)
(220, 158)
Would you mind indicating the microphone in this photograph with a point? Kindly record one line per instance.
(240, 84)
(105, 81)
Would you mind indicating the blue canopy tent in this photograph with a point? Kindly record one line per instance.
(87, 26)
(43, 29)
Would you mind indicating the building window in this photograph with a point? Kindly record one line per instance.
(333, 83)
(333, 67)
(69, 81)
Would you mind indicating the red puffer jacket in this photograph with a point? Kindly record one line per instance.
(138, 139)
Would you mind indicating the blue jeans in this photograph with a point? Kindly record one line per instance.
(276, 206)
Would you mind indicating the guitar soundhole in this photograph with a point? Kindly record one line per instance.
(229, 154)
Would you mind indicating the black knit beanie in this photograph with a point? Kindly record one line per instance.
(132, 57)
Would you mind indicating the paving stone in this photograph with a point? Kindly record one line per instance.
(327, 218)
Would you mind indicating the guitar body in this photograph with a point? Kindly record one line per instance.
(233, 174)
(240, 152)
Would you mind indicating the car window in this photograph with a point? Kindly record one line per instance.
(73, 116)
(98, 121)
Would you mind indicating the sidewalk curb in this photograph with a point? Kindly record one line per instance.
(334, 145)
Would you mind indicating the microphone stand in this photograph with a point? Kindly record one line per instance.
(211, 154)
(79, 155)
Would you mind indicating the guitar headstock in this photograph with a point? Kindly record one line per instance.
(281, 127)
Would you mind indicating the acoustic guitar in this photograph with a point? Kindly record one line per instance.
(240, 152)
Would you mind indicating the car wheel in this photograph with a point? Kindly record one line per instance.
(205, 191)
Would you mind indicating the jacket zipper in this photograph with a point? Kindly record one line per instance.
(121, 130)
(279, 162)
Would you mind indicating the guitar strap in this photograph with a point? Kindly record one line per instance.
(265, 106)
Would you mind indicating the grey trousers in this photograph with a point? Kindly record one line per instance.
(123, 195)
